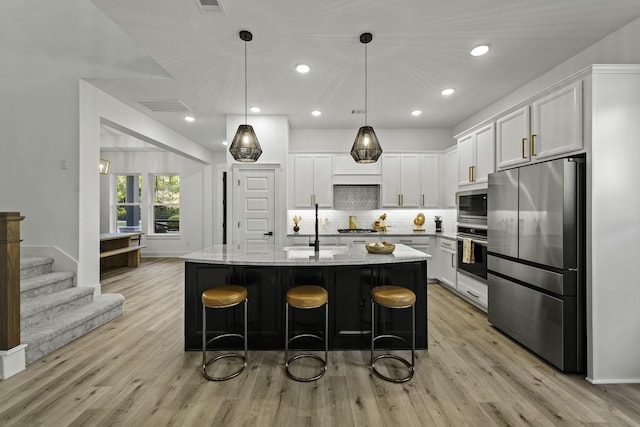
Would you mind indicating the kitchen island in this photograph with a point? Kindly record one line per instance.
(348, 272)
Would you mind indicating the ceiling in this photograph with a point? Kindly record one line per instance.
(419, 47)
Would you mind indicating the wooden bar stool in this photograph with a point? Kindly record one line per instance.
(395, 297)
(306, 297)
(224, 296)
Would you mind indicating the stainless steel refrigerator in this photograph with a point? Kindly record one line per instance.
(536, 256)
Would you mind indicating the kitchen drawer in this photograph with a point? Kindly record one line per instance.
(448, 244)
(367, 238)
(409, 240)
(472, 289)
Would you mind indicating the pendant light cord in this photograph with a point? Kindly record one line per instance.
(245, 82)
(366, 109)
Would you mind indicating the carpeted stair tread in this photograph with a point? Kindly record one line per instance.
(44, 338)
(45, 284)
(33, 266)
(54, 304)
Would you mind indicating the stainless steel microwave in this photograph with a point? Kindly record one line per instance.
(472, 207)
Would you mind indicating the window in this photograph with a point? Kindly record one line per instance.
(128, 196)
(166, 203)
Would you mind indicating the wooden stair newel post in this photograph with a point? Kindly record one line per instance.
(9, 280)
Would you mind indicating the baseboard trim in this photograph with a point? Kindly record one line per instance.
(613, 380)
(12, 361)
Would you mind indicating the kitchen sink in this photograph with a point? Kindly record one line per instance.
(326, 251)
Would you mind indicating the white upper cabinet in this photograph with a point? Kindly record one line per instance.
(548, 127)
(556, 122)
(450, 181)
(312, 174)
(401, 180)
(476, 156)
(410, 180)
(430, 181)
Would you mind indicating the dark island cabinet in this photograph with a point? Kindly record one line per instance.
(349, 302)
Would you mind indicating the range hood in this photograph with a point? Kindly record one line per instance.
(347, 172)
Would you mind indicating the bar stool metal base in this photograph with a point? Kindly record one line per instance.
(290, 360)
(206, 363)
(410, 365)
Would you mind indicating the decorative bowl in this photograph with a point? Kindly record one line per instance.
(380, 247)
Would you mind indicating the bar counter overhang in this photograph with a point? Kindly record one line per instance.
(348, 273)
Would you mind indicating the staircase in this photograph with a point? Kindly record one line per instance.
(54, 312)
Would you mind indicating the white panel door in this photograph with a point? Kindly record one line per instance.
(390, 189)
(256, 209)
(484, 154)
(430, 181)
(411, 193)
(556, 123)
(322, 180)
(512, 138)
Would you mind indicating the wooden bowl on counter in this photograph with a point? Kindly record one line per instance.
(380, 247)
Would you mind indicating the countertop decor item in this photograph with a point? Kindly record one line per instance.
(366, 148)
(419, 222)
(381, 225)
(380, 247)
(245, 146)
(296, 220)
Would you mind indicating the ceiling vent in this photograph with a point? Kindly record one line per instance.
(210, 6)
(165, 105)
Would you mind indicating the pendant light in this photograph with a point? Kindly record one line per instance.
(366, 148)
(245, 146)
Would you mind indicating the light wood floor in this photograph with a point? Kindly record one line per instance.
(133, 372)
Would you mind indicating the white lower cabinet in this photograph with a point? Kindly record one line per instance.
(447, 262)
(473, 290)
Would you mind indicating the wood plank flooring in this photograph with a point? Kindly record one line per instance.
(133, 372)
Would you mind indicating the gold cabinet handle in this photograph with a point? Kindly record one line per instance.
(399, 203)
(533, 145)
(473, 174)
(423, 200)
(473, 295)
(523, 155)
(452, 261)
(469, 173)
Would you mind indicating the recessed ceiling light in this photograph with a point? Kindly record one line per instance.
(416, 112)
(302, 68)
(316, 113)
(448, 91)
(190, 118)
(224, 142)
(254, 109)
(480, 50)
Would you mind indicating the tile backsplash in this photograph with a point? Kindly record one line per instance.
(356, 197)
(398, 220)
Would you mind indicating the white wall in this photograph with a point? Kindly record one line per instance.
(620, 47)
(341, 140)
(39, 111)
(615, 228)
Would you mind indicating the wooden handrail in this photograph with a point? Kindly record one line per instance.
(9, 280)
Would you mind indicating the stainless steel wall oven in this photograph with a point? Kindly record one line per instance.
(476, 266)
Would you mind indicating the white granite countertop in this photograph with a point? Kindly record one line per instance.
(354, 254)
(446, 235)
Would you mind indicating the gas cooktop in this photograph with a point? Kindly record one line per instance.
(357, 230)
